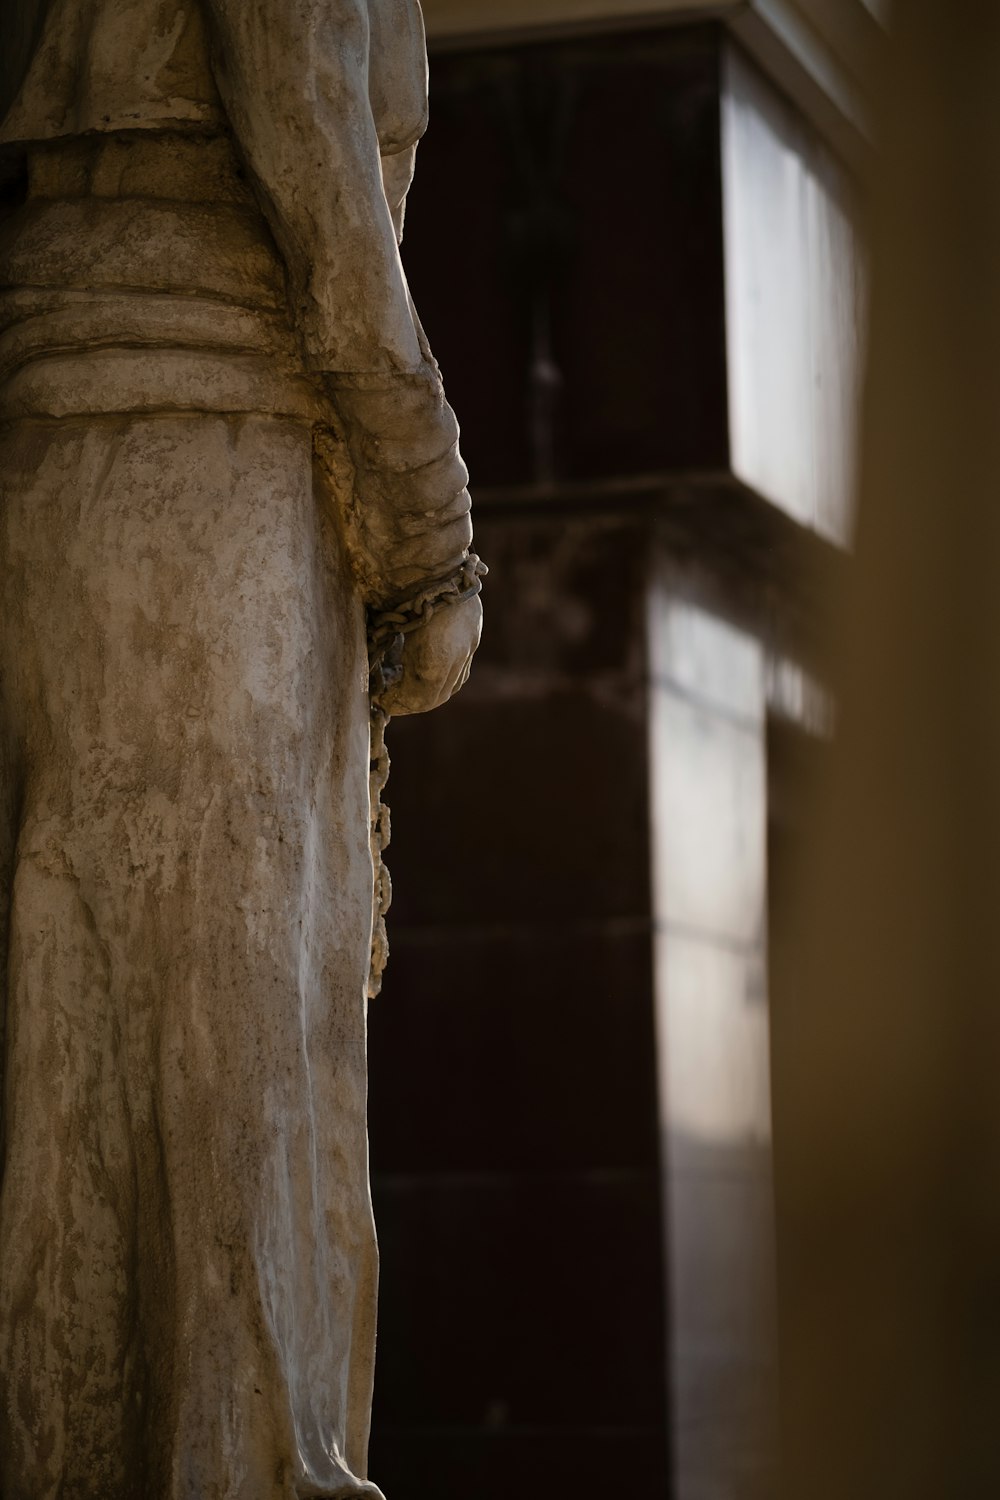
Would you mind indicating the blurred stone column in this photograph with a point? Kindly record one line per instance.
(649, 213)
(708, 790)
(887, 1101)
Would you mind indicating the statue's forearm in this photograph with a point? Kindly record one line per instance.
(298, 86)
(294, 79)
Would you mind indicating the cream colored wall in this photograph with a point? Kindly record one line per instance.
(794, 305)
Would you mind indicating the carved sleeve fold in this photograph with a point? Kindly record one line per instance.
(413, 519)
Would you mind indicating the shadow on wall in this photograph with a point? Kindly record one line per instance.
(513, 1107)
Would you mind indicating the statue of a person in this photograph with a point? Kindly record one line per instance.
(223, 440)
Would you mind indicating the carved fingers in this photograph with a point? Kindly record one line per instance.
(436, 659)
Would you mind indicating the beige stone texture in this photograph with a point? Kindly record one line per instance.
(223, 440)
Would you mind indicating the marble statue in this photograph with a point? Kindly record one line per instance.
(224, 447)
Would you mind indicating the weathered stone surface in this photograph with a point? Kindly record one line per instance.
(222, 437)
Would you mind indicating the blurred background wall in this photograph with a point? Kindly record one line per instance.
(634, 240)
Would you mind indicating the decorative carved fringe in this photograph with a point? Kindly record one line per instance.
(387, 632)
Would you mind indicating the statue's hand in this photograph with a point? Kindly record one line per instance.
(436, 659)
